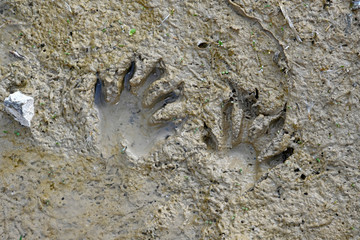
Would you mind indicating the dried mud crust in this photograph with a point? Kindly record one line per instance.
(236, 85)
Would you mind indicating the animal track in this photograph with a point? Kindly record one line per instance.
(145, 112)
(150, 107)
(242, 123)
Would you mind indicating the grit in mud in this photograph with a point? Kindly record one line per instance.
(181, 119)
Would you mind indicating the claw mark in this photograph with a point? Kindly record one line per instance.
(210, 139)
(99, 92)
(170, 98)
(129, 75)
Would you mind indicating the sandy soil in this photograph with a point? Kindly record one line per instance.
(239, 120)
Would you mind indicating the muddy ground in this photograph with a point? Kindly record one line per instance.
(211, 120)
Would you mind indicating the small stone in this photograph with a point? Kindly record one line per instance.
(21, 107)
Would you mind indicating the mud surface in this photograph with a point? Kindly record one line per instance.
(181, 120)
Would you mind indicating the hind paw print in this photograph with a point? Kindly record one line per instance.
(240, 121)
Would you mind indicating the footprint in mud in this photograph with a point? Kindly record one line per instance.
(148, 109)
(138, 118)
(249, 139)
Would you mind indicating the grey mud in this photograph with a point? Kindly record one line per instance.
(127, 122)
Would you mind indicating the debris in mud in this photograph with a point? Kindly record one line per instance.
(355, 5)
(21, 107)
(17, 55)
(291, 25)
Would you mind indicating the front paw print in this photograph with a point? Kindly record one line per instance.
(146, 111)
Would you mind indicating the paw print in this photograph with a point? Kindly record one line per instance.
(241, 122)
(159, 95)
(145, 111)
(150, 107)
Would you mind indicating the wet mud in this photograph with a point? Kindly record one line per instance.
(181, 120)
(129, 122)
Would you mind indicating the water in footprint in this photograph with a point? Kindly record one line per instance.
(126, 125)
